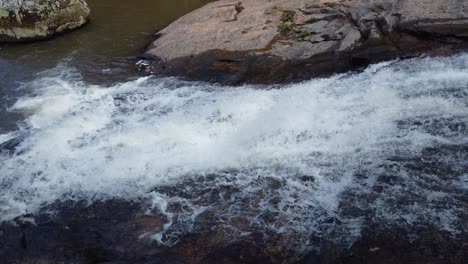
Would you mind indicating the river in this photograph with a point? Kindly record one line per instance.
(388, 144)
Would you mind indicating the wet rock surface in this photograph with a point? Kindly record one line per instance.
(277, 41)
(26, 20)
(201, 223)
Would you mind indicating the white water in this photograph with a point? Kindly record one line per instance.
(83, 141)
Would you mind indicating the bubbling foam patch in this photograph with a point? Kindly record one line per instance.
(312, 158)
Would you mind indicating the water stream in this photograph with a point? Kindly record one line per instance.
(324, 157)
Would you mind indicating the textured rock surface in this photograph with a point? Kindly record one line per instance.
(116, 231)
(274, 41)
(26, 20)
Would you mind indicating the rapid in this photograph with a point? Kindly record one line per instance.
(324, 157)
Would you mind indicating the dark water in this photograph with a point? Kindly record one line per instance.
(104, 51)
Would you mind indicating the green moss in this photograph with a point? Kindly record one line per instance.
(305, 33)
(286, 27)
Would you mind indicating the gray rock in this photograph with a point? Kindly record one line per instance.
(316, 27)
(352, 38)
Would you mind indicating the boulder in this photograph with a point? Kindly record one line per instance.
(28, 20)
(278, 41)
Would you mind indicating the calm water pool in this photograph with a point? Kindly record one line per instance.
(104, 51)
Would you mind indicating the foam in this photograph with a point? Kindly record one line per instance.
(5, 137)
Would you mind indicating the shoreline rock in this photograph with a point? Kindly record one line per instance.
(26, 20)
(267, 42)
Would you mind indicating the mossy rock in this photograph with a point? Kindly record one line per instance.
(29, 20)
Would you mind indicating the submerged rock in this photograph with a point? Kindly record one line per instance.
(119, 231)
(232, 41)
(201, 223)
(27, 20)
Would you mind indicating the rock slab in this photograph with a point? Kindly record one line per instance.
(279, 41)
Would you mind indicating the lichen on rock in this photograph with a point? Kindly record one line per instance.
(26, 20)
